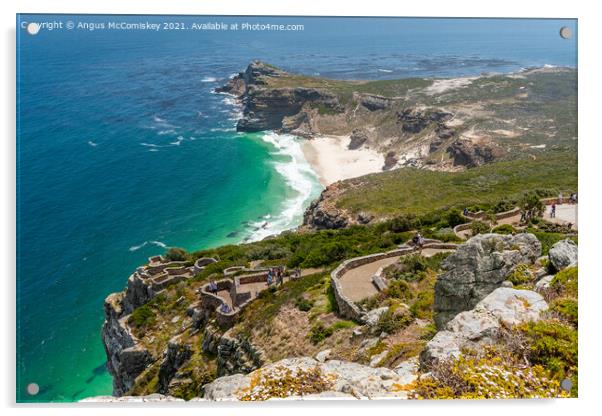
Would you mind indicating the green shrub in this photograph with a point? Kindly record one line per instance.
(566, 308)
(414, 263)
(343, 325)
(422, 307)
(176, 254)
(429, 331)
(404, 223)
(546, 239)
(479, 227)
(319, 333)
(504, 205)
(372, 302)
(553, 345)
(399, 289)
(504, 229)
(565, 282)
(303, 304)
(270, 251)
(392, 321)
(142, 317)
(454, 217)
(521, 274)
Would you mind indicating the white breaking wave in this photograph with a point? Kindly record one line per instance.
(298, 175)
(209, 79)
(168, 131)
(146, 243)
(385, 70)
(91, 143)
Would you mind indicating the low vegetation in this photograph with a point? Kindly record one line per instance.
(408, 191)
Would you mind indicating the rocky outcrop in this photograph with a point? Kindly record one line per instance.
(374, 102)
(233, 355)
(477, 268)
(276, 108)
(472, 153)
(138, 292)
(125, 358)
(322, 213)
(563, 254)
(414, 120)
(390, 161)
(358, 138)
(306, 375)
(176, 355)
(502, 308)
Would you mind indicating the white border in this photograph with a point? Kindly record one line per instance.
(589, 172)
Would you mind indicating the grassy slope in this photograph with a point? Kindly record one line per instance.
(406, 190)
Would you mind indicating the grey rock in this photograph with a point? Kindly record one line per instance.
(563, 254)
(358, 138)
(468, 153)
(347, 378)
(370, 318)
(544, 283)
(376, 359)
(176, 355)
(480, 326)
(477, 268)
(507, 283)
(408, 370)
(323, 355)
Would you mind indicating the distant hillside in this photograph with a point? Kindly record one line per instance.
(439, 124)
(417, 191)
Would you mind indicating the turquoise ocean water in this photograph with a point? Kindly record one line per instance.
(123, 149)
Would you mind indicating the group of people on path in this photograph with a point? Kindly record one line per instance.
(275, 274)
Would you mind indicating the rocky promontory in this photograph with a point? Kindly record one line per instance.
(425, 123)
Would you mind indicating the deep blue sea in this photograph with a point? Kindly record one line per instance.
(123, 149)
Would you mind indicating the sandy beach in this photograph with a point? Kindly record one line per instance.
(333, 161)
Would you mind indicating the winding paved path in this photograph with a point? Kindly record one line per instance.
(357, 284)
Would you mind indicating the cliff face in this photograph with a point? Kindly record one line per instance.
(125, 358)
(285, 109)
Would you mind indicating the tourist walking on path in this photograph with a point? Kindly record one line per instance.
(418, 240)
(553, 211)
(270, 277)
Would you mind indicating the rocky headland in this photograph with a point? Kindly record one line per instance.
(479, 318)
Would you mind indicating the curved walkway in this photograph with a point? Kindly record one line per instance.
(357, 283)
(566, 213)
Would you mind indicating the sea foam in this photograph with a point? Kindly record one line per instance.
(299, 177)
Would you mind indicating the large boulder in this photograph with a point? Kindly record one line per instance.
(504, 307)
(332, 378)
(358, 138)
(477, 268)
(563, 254)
